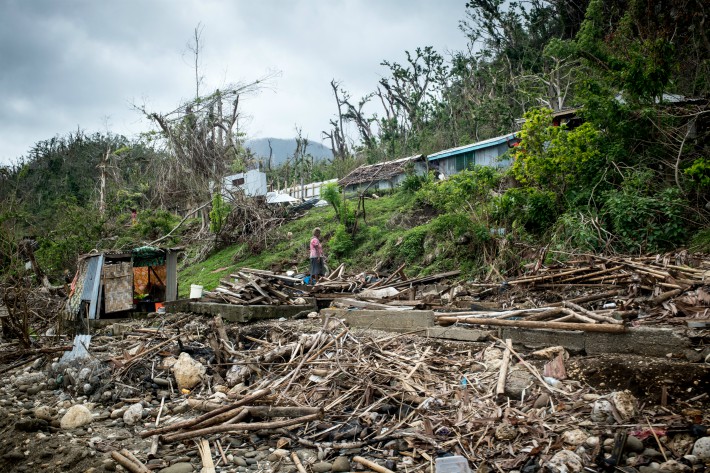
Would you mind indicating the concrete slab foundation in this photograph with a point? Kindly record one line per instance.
(391, 320)
(574, 341)
(650, 341)
(242, 313)
(461, 334)
(645, 341)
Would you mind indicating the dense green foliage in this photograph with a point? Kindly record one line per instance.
(631, 172)
(631, 175)
(54, 197)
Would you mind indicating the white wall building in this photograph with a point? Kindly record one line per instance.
(252, 183)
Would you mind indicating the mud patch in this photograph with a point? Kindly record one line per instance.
(645, 377)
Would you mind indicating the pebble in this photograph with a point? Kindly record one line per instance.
(277, 454)
(651, 453)
(518, 382)
(133, 414)
(634, 444)
(14, 456)
(542, 401)
(187, 371)
(701, 449)
(625, 404)
(674, 467)
(31, 425)
(602, 411)
(564, 461)
(322, 467)
(574, 437)
(240, 461)
(35, 390)
(506, 432)
(179, 468)
(341, 464)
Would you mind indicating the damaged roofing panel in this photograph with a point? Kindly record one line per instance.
(378, 172)
(92, 284)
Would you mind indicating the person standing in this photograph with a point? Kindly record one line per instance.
(316, 257)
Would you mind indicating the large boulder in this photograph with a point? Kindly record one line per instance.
(77, 416)
(188, 372)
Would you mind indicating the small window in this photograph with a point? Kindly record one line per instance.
(238, 182)
(460, 162)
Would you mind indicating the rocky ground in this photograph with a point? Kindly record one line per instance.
(400, 401)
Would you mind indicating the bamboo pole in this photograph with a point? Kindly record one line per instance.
(372, 465)
(605, 328)
(197, 420)
(216, 429)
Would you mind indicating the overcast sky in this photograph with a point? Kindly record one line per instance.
(68, 64)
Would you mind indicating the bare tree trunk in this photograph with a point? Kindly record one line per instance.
(102, 187)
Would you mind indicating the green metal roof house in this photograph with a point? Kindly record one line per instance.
(483, 153)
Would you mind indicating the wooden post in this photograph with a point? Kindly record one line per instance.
(500, 387)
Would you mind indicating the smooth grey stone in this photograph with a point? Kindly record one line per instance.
(633, 444)
(341, 464)
(322, 467)
(179, 468)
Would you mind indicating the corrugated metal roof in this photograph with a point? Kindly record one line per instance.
(472, 147)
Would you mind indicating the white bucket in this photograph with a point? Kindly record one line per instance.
(195, 291)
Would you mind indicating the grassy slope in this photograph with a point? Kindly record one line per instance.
(393, 234)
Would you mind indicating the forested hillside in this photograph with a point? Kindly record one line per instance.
(634, 177)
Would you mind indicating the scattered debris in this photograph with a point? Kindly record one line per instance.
(315, 395)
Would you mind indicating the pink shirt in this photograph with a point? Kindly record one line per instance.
(316, 249)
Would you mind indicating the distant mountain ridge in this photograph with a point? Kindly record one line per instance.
(283, 149)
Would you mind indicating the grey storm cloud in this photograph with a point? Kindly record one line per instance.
(68, 64)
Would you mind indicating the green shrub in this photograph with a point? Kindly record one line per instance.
(699, 173)
(646, 223)
(219, 213)
(153, 224)
(701, 241)
(341, 244)
(533, 209)
(552, 158)
(77, 232)
(579, 231)
(412, 246)
(413, 182)
(462, 191)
